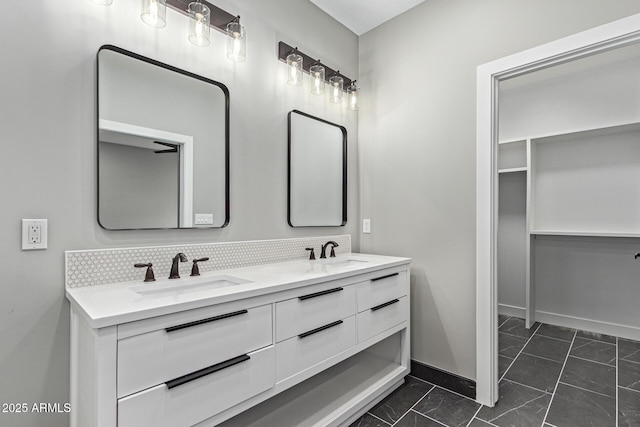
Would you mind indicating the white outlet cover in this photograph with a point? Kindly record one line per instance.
(366, 226)
(28, 246)
(204, 219)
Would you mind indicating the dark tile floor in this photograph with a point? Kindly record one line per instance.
(549, 377)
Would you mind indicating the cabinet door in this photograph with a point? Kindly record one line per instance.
(382, 317)
(312, 347)
(313, 309)
(381, 289)
(152, 358)
(188, 401)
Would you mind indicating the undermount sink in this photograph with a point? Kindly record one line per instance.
(179, 287)
(338, 262)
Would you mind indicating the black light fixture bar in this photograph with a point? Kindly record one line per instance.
(219, 17)
(284, 50)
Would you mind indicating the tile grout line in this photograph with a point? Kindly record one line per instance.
(474, 415)
(631, 361)
(517, 355)
(508, 317)
(589, 360)
(617, 382)
(518, 407)
(586, 389)
(629, 389)
(559, 376)
(541, 357)
(454, 392)
(553, 338)
(417, 401)
(527, 386)
(428, 417)
(376, 417)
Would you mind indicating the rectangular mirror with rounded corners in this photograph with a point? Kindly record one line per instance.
(163, 145)
(317, 173)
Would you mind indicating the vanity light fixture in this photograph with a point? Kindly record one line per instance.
(335, 86)
(202, 17)
(297, 62)
(154, 13)
(199, 23)
(317, 73)
(236, 41)
(295, 66)
(352, 96)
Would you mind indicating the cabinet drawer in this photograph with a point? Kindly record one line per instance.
(382, 317)
(152, 358)
(303, 351)
(314, 309)
(381, 289)
(199, 399)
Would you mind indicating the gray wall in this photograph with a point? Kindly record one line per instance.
(512, 229)
(138, 188)
(417, 146)
(48, 133)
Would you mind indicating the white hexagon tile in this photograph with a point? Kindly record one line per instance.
(102, 266)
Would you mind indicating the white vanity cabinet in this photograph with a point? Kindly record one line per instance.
(340, 342)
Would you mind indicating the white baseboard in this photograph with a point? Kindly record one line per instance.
(622, 331)
(511, 310)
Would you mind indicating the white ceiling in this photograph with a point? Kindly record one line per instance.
(361, 16)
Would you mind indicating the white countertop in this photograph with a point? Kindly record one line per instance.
(107, 305)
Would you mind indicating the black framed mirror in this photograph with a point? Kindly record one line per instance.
(163, 145)
(317, 172)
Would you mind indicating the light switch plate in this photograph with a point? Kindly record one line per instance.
(34, 234)
(366, 226)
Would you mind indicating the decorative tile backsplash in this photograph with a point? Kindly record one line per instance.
(102, 266)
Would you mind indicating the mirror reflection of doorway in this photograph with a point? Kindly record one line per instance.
(141, 186)
(146, 176)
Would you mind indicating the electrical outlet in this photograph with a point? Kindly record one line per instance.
(34, 234)
(366, 226)
(204, 219)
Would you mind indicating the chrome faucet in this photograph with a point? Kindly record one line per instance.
(180, 257)
(333, 244)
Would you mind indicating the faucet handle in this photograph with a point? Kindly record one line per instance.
(312, 255)
(195, 271)
(333, 252)
(148, 277)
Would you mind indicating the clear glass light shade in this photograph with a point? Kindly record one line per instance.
(335, 86)
(102, 2)
(352, 96)
(199, 30)
(294, 68)
(317, 74)
(236, 42)
(154, 13)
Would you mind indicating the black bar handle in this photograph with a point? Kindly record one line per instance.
(208, 320)
(206, 371)
(319, 294)
(378, 307)
(320, 329)
(384, 277)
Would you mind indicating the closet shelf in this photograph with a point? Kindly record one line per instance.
(575, 133)
(583, 233)
(510, 170)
